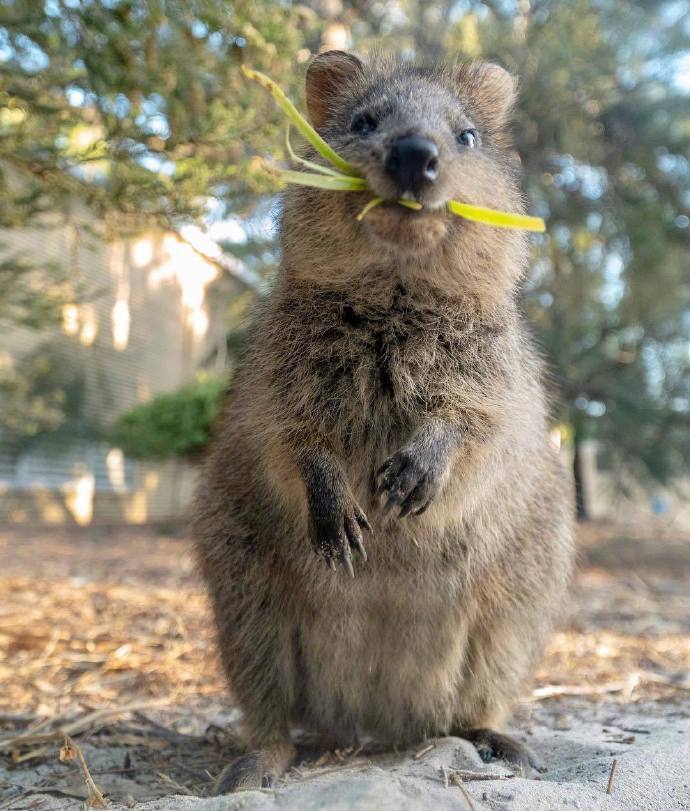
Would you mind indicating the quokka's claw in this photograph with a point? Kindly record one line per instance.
(406, 509)
(359, 546)
(363, 521)
(347, 562)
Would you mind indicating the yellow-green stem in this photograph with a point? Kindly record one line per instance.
(500, 219)
(301, 123)
(367, 208)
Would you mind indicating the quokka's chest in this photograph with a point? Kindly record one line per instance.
(353, 363)
(353, 357)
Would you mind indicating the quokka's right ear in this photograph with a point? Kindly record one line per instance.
(327, 76)
(490, 90)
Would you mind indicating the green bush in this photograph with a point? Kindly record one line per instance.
(177, 424)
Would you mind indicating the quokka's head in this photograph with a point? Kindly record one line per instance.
(428, 135)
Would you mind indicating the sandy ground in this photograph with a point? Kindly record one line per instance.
(105, 636)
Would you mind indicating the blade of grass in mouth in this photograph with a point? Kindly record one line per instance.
(317, 167)
(500, 219)
(332, 182)
(301, 123)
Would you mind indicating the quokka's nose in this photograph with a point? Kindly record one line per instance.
(413, 162)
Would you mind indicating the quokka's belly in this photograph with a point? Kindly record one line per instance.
(383, 659)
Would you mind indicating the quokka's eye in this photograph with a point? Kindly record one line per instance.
(468, 137)
(363, 124)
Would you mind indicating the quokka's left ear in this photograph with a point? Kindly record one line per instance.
(490, 91)
(329, 74)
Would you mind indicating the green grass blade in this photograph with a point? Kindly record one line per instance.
(341, 183)
(300, 123)
(309, 164)
(376, 201)
(499, 219)
(413, 204)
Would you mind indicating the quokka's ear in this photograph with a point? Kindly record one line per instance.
(328, 74)
(490, 91)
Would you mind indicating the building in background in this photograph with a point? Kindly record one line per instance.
(149, 315)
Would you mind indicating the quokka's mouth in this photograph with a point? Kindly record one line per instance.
(406, 207)
(418, 211)
(426, 205)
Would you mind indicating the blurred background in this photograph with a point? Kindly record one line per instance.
(137, 227)
(137, 230)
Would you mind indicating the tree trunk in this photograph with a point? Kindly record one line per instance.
(578, 477)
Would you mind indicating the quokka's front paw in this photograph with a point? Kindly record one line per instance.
(337, 530)
(410, 479)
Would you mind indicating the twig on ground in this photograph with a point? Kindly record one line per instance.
(174, 784)
(468, 776)
(158, 730)
(666, 681)
(456, 780)
(16, 717)
(609, 787)
(76, 727)
(70, 751)
(555, 690)
(333, 770)
(10, 803)
(424, 751)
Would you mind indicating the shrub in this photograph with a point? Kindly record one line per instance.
(175, 424)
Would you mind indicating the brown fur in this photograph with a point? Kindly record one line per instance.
(394, 342)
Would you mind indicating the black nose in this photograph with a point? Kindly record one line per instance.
(413, 162)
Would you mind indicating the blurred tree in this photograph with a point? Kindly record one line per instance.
(137, 110)
(43, 393)
(138, 106)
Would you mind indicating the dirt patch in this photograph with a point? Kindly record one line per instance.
(105, 636)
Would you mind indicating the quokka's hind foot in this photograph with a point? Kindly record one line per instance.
(258, 769)
(497, 746)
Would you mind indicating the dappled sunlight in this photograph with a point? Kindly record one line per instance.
(115, 465)
(79, 495)
(141, 252)
(50, 507)
(80, 320)
(120, 315)
(121, 321)
(70, 319)
(180, 263)
(137, 507)
(89, 325)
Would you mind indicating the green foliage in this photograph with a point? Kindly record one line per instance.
(42, 393)
(137, 106)
(137, 109)
(175, 424)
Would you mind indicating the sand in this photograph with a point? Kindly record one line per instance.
(578, 740)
